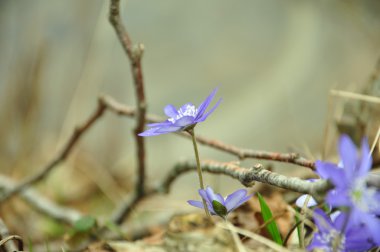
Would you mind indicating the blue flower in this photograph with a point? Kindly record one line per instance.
(340, 234)
(184, 118)
(217, 205)
(311, 202)
(350, 187)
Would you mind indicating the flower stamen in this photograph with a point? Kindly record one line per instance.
(190, 110)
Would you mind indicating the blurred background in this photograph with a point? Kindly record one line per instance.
(274, 61)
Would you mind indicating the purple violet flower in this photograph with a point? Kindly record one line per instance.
(339, 234)
(301, 200)
(217, 205)
(350, 187)
(184, 118)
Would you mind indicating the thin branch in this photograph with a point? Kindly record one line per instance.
(247, 176)
(62, 155)
(125, 208)
(292, 158)
(4, 234)
(230, 169)
(42, 204)
(17, 238)
(134, 54)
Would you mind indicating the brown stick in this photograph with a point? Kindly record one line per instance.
(247, 176)
(4, 233)
(292, 158)
(13, 238)
(134, 54)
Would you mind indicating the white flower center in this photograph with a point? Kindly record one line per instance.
(332, 241)
(364, 196)
(190, 110)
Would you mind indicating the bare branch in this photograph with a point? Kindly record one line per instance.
(292, 158)
(4, 234)
(4, 242)
(247, 176)
(122, 212)
(134, 54)
(78, 132)
(125, 208)
(42, 204)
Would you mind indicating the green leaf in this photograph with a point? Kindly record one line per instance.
(219, 208)
(267, 216)
(85, 224)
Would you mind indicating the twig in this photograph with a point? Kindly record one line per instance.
(17, 238)
(273, 218)
(290, 232)
(361, 97)
(125, 208)
(42, 204)
(134, 54)
(123, 211)
(270, 244)
(78, 132)
(4, 233)
(292, 158)
(247, 176)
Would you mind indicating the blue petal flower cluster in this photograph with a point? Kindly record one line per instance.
(217, 205)
(351, 193)
(184, 118)
(338, 234)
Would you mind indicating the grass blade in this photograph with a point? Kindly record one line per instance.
(268, 217)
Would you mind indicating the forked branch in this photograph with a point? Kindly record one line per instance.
(134, 54)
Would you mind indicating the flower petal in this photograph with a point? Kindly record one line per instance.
(203, 194)
(220, 198)
(316, 243)
(332, 172)
(211, 195)
(168, 129)
(348, 154)
(184, 121)
(366, 159)
(300, 202)
(160, 124)
(233, 200)
(339, 219)
(203, 106)
(373, 225)
(338, 198)
(199, 204)
(322, 221)
(196, 203)
(204, 117)
(244, 199)
(357, 236)
(149, 132)
(170, 111)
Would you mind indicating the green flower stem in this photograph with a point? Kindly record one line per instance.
(199, 169)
